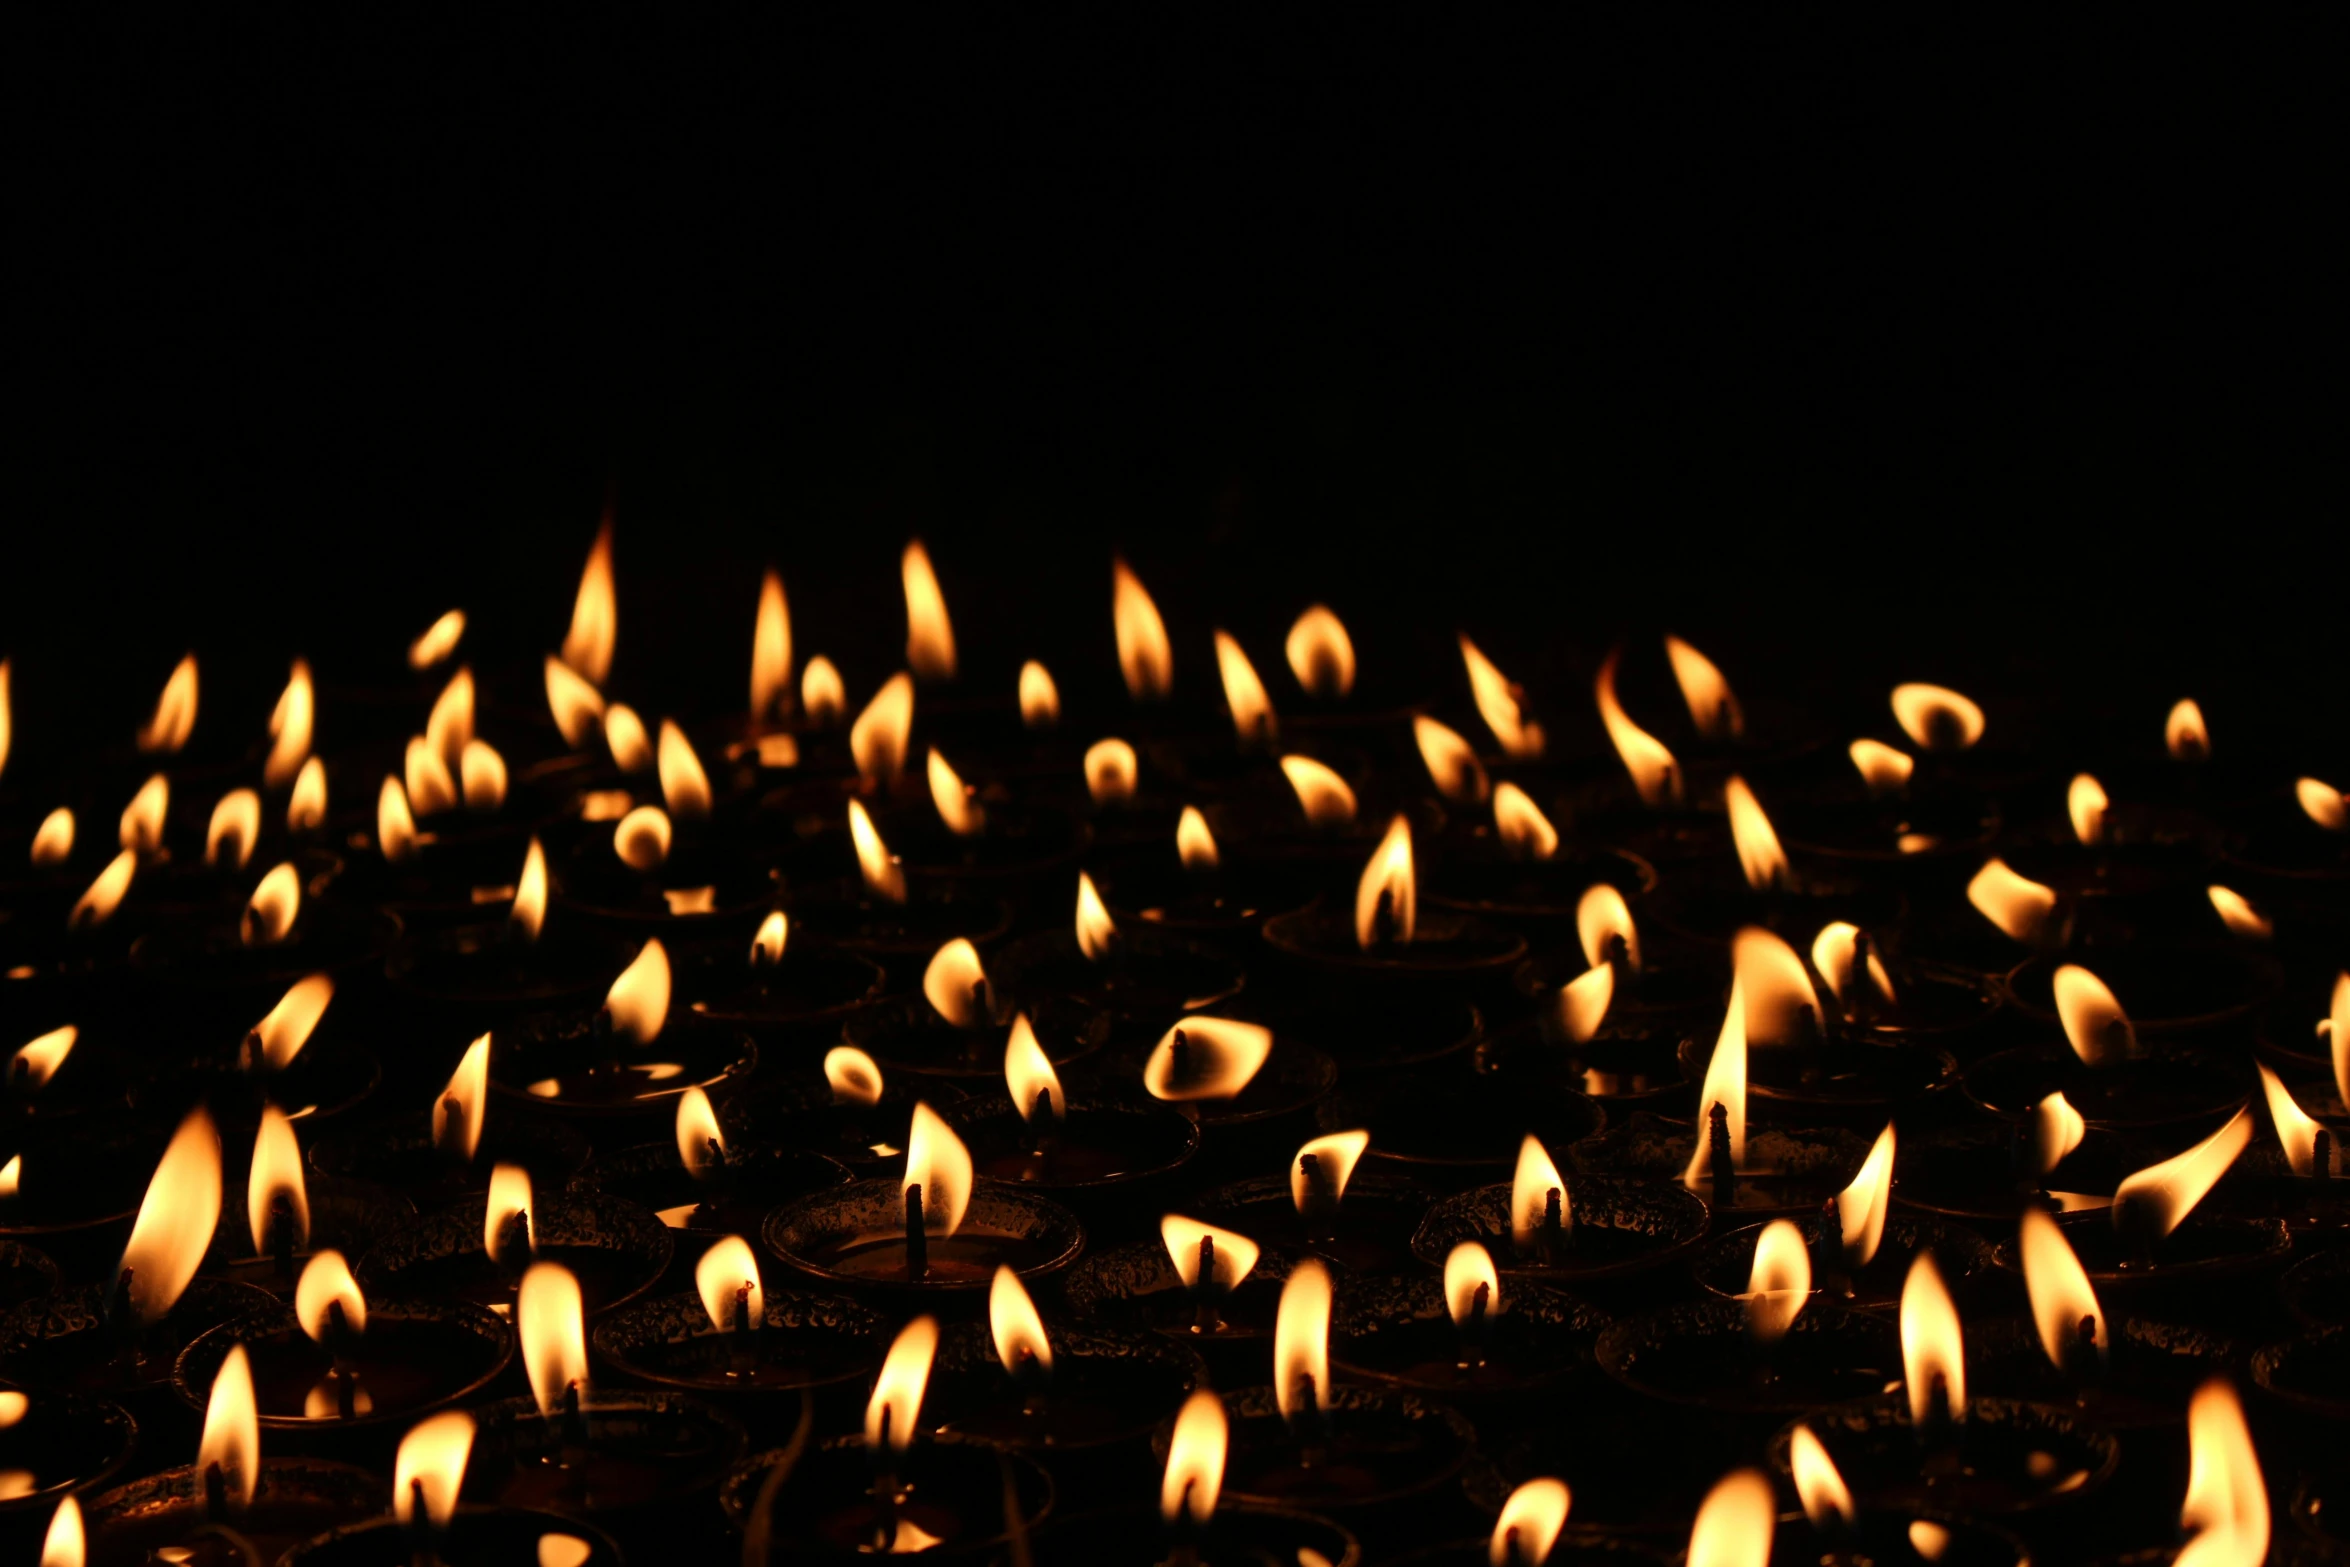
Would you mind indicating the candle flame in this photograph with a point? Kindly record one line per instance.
(1029, 1074)
(2064, 1307)
(956, 986)
(953, 799)
(937, 1161)
(930, 636)
(701, 1146)
(770, 653)
(431, 1466)
(1014, 1325)
(1832, 953)
(37, 1060)
(1725, 1085)
(457, 1112)
(2085, 803)
(1467, 1267)
(1110, 771)
(1862, 1206)
(1206, 1058)
(1883, 769)
(642, 839)
(1821, 1489)
(2323, 804)
(721, 1277)
(510, 1194)
(175, 711)
(1195, 1459)
(1144, 656)
(449, 728)
(2226, 1510)
(1321, 654)
(66, 1542)
(1656, 776)
(855, 1076)
(1781, 1006)
(2018, 906)
(878, 738)
(2296, 1132)
(2237, 913)
(1932, 1348)
(106, 892)
(1759, 854)
(2057, 1129)
(482, 776)
(884, 877)
(1253, 718)
(1235, 1256)
(12, 1175)
(1335, 1154)
(2184, 734)
(7, 716)
(53, 843)
(271, 911)
(176, 1218)
(2335, 1030)
(1452, 762)
(823, 695)
(1532, 1184)
(1097, 933)
(395, 826)
(1712, 706)
(529, 910)
(638, 1002)
(1779, 1287)
(1582, 1003)
(277, 1172)
(1521, 826)
(683, 783)
(1530, 1523)
(1386, 898)
(548, 1321)
(290, 722)
(232, 1429)
(626, 738)
(142, 822)
(768, 942)
(326, 1282)
(2100, 1032)
(306, 806)
(577, 706)
(430, 788)
(440, 639)
(1735, 1523)
(894, 1412)
(595, 617)
(1497, 699)
(1194, 844)
(1301, 1339)
(1936, 717)
(1601, 915)
(1040, 699)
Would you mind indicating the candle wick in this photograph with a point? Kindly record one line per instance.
(215, 1493)
(2321, 1155)
(1474, 1329)
(917, 1239)
(1725, 1165)
(1204, 1318)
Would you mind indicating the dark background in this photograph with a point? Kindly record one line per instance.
(1998, 348)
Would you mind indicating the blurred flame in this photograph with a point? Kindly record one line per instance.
(937, 1161)
(175, 710)
(638, 1001)
(1817, 1484)
(1521, 826)
(529, 911)
(2184, 734)
(234, 829)
(1779, 1287)
(1725, 1085)
(878, 738)
(1931, 1345)
(141, 826)
(440, 639)
(2059, 1291)
(894, 1412)
(1832, 954)
(1387, 898)
(1029, 1074)
(176, 1218)
(822, 695)
(1325, 797)
(1193, 842)
(1497, 700)
(2100, 1032)
(1883, 769)
(232, 1429)
(576, 705)
(2295, 1130)
(956, 985)
(1937, 718)
(884, 877)
(395, 828)
(683, 783)
(2323, 803)
(53, 843)
(1014, 1325)
(482, 775)
(548, 1322)
(1759, 854)
(2226, 1511)
(37, 1060)
(1110, 771)
(96, 905)
(1734, 1523)
(1040, 699)
(2237, 913)
(1531, 1184)
(1096, 931)
(431, 1462)
(2335, 1029)
(1712, 706)
(1655, 774)
(1781, 1006)
(1253, 718)
(697, 1129)
(306, 806)
(1144, 657)
(720, 1277)
(1530, 1523)
(855, 1076)
(450, 725)
(1195, 1460)
(1321, 654)
(642, 838)
(1583, 1002)
(273, 908)
(2085, 803)
(930, 636)
(1465, 1267)
(1301, 1338)
(595, 618)
(510, 1194)
(290, 722)
(1601, 914)
(430, 788)
(277, 1171)
(1452, 763)
(66, 1542)
(7, 717)
(962, 814)
(457, 1111)
(1220, 1057)
(770, 653)
(11, 1175)
(767, 944)
(2057, 1129)
(625, 737)
(2018, 906)
(326, 1281)
(1235, 1255)
(1862, 1206)
(1336, 1154)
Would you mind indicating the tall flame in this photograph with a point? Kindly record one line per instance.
(930, 636)
(106, 892)
(1862, 1206)
(1253, 718)
(1327, 799)
(175, 710)
(1301, 1339)
(884, 877)
(1144, 656)
(1467, 1267)
(642, 839)
(2335, 1029)
(1497, 699)
(1735, 1523)
(306, 806)
(2237, 913)
(1655, 774)
(431, 1466)
(1111, 771)
(2017, 905)
(1932, 1348)
(1583, 1002)
(701, 1145)
(577, 706)
(1386, 898)
(2085, 803)
(1725, 1085)
(2099, 1030)
(1521, 826)
(1781, 1006)
(1233, 1257)
(963, 815)
(1534, 1182)
(1040, 699)
(1601, 916)
(2226, 1511)
(66, 1542)
(1779, 1287)
(1195, 1460)
(854, 1076)
(1834, 952)
(595, 617)
(1206, 1058)
(626, 739)
(1759, 854)
(2184, 734)
(727, 1279)
(683, 783)
(510, 1194)
(878, 738)
(1014, 1325)
(449, 729)
(234, 829)
(937, 1161)
(1882, 768)
(142, 822)
(1712, 706)
(894, 1413)
(457, 1111)
(1452, 762)
(2057, 1129)
(395, 825)
(955, 984)
(176, 1218)
(290, 722)
(2296, 1132)
(1029, 1074)
(1827, 1501)
(277, 1172)
(1335, 1155)
(549, 1322)
(275, 905)
(326, 1282)
(1194, 844)
(768, 943)
(2065, 1309)
(1097, 933)
(481, 773)
(53, 842)
(37, 1060)
(529, 911)
(1936, 717)
(823, 696)
(232, 1429)
(439, 640)
(770, 653)
(2323, 804)
(1321, 654)
(638, 1001)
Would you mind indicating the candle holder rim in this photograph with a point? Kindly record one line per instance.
(120, 1430)
(16, 1254)
(1145, 1516)
(1962, 1254)
(338, 1483)
(344, 1150)
(2269, 1363)
(457, 1230)
(167, 952)
(881, 1028)
(1892, 1412)
(2060, 1061)
(1572, 1541)
(2275, 1236)
(982, 1109)
(642, 1160)
(1939, 1066)
(1618, 1346)
(1460, 1217)
(738, 1491)
(1049, 1218)
(736, 1071)
(1369, 1106)
(500, 1418)
(1259, 1404)
(1086, 1289)
(779, 1302)
(1291, 933)
(2296, 1285)
(193, 1385)
(1643, 879)
(318, 1547)
(80, 1308)
(2267, 979)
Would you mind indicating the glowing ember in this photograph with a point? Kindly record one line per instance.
(1144, 656)
(1937, 718)
(1452, 764)
(1656, 776)
(1321, 654)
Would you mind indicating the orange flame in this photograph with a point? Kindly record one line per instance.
(141, 826)
(7, 716)
(1466, 1267)
(1335, 1154)
(53, 842)
(642, 838)
(2063, 1304)
(1521, 826)
(1780, 1285)
(395, 827)
(2323, 804)
(1932, 1349)
(1096, 931)
(65, 1543)
(884, 877)
(1601, 915)
(930, 636)
(1325, 797)
(894, 1413)
(431, 1466)
(450, 726)
(510, 1194)
(727, 1270)
(1531, 1186)
(770, 653)
(430, 788)
(1734, 1523)
(937, 1161)
(2237, 913)
(1452, 763)
(1144, 657)
(595, 617)
(1206, 1058)
(1193, 842)
(277, 1171)
(1655, 774)
(2100, 1032)
(457, 1112)
(2295, 1130)
(232, 1429)
(235, 827)
(1817, 1484)
(1883, 769)
(176, 1218)
(1833, 952)
(12, 1175)
(1759, 854)
(37, 1061)
(1386, 898)
(683, 783)
(1111, 771)
(529, 911)
(855, 1076)
(482, 776)
(1195, 1459)
(548, 1321)
(878, 738)
(638, 1002)
(1235, 1256)
(1040, 699)
(2184, 734)
(1583, 1002)
(1530, 1523)
(1301, 1339)
(1321, 654)
(576, 704)
(1936, 717)
(822, 694)
(2226, 1511)
(1862, 1206)
(956, 986)
(306, 806)
(1781, 1006)
(440, 639)
(2057, 1129)
(273, 908)
(1497, 699)
(1725, 1085)
(2335, 1029)
(175, 711)
(290, 722)
(1014, 1325)
(2085, 803)
(625, 737)
(963, 815)
(697, 1132)
(1029, 1074)
(98, 904)
(2018, 906)
(1712, 707)
(326, 1282)
(1253, 718)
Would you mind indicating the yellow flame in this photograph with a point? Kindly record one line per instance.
(697, 1129)
(431, 1463)
(1452, 763)
(232, 1429)
(626, 738)
(2323, 804)
(2018, 906)
(1195, 1459)
(855, 1076)
(1781, 1005)
(595, 617)
(683, 783)
(395, 827)
(823, 695)
(66, 1542)
(2296, 1132)
(440, 639)
(1725, 1085)
(1734, 1523)
(642, 838)
(1387, 898)
(1931, 1345)
(175, 710)
(1655, 774)
(1321, 654)
(638, 1001)
(1144, 657)
(2226, 1511)
(1601, 914)
(2237, 913)
(1336, 1154)
(1218, 1058)
(1253, 718)
(1862, 1206)
(720, 1279)
(1325, 797)
(2184, 734)
(1235, 1256)
(937, 1161)
(771, 653)
(482, 775)
(1583, 1002)
(457, 1111)
(12, 1175)
(306, 806)
(106, 892)
(878, 738)
(326, 1281)
(1497, 699)
(430, 788)
(1014, 1325)
(449, 728)
(273, 908)
(1882, 768)
(290, 722)
(1779, 1287)
(1111, 771)
(768, 942)
(1759, 854)
(1832, 952)
(1530, 1523)
(1936, 717)
(7, 717)
(2059, 1291)
(549, 1323)
(2335, 1029)
(176, 1218)
(141, 826)
(1521, 826)
(1301, 1338)
(53, 843)
(510, 1194)
(37, 1060)
(2085, 803)
(277, 1171)
(2057, 1129)
(956, 986)
(1467, 1266)
(1712, 706)
(1193, 842)
(1029, 1074)
(930, 636)
(577, 706)
(894, 1413)
(1531, 1184)
(2100, 1032)
(884, 877)
(1097, 933)
(1818, 1486)
(528, 912)
(957, 807)
(1040, 699)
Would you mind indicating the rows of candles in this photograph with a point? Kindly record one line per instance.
(1314, 1130)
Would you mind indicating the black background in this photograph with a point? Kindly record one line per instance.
(1999, 348)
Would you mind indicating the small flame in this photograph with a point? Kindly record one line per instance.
(683, 783)
(1013, 1323)
(1780, 1285)
(642, 839)
(273, 908)
(1029, 1074)
(2064, 1307)
(1253, 718)
(595, 617)
(1530, 1523)
(2295, 1130)
(1781, 1006)
(232, 1429)
(1325, 797)
(1882, 768)
(626, 738)
(37, 1060)
(176, 1218)
(66, 1543)
(395, 826)
(431, 790)
(1601, 915)
(1832, 953)
(53, 843)
(2018, 906)
(431, 1466)
(578, 707)
(1497, 699)
(529, 911)
(937, 1161)
(961, 812)
(1097, 933)
(855, 1076)
(638, 1002)
(510, 1194)
(548, 1321)
(106, 892)
(440, 639)
(1936, 717)
(1467, 1267)
(1193, 842)
(141, 825)
(1301, 1339)
(2237, 913)
(1583, 1002)
(1655, 774)
(326, 1282)
(878, 738)
(482, 775)
(2085, 803)
(277, 1172)
(884, 877)
(175, 711)
(2226, 1511)
(1759, 854)
(1195, 1460)
(1932, 1349)
(1735, 1523)
(1386, 898)
(1040, 699)
(1862, 1206)
(930, 636)
(1111, 771)
(1532, 1185)
(894, 1413)
(1235, 1256)
(306, 806)
(956, 985)
(1335, 1155)
(2100, 1032)
(1144, 657)
(2184, 734)
(1712, 707)
(701, 1146)
(768, 942)
(1452, 763)
(12, 1175)
(1521, 826)
(1827, 1501)
(1321, 654)
(2323, 803)
(290, 722)
(1206, 1058)
(1725, 1085)
(727, 1270)
(457, 1112)
(823, 695)
(2057, 1129)
(771, 653)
